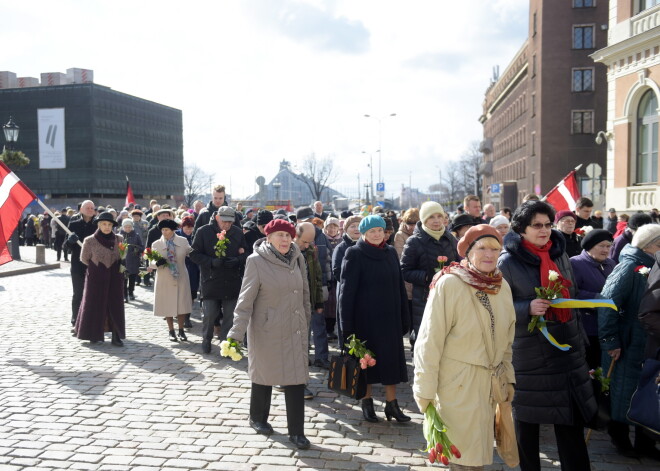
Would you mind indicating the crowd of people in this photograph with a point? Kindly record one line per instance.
(464, 287)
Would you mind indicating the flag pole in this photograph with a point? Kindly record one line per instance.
(56, 219)
(554, 187)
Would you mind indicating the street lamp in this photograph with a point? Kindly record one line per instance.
(11, 132)
(380, 140)
(277, 185)
(366, 187)
(371, 169)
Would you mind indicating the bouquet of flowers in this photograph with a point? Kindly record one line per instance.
(123, 247)
(152, 255)
(438, 445)
(583, 231)
(221, 245)
(441, 263)
(231, 348)
(642, 270)
(604, 381)
(356, 348)
(552, 291)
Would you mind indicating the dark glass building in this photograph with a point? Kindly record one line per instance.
(109, 136)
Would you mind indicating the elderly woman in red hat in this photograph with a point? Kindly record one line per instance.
(274, 309)
(465, 340)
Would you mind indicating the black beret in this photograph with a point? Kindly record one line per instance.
(595, 237)
(169, 223)
(264, 217)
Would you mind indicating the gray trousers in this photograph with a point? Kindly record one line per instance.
(212, 311)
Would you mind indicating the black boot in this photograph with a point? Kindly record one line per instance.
(116, 341)
(392, 410)
(182, 335)
(173, 336)
(368, 410)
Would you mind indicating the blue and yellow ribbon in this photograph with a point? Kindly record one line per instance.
(571, 303)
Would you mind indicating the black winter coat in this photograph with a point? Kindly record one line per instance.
(373, 306)
(418, 261)
(222, 282)
(82, 229)
(251, 237)
(549, 382)
(573, 247)
(338, 256)
(649, 310)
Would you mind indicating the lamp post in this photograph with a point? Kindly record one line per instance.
(366, 187)
(380, 140)
(11, 136)
(371, 169)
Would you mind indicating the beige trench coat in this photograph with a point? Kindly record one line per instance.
(172, 296)
(452, 360)
(274, 308)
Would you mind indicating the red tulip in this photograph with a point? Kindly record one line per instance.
(432, 456)
(438, 447)
(454, 451)
(444, 460)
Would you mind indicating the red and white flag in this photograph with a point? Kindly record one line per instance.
(565, 194)
(15, 196)
(129, 194)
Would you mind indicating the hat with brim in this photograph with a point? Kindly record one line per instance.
(462, 220)
(226, 214)
(106, 216)
(475, 234)
(169, 224)
(161, 211)
(136, 212)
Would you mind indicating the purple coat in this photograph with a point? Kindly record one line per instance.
(619, 243)
(590, 278)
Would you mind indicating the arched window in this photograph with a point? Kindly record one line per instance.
(647, 139)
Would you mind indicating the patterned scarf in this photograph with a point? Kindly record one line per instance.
(171, 257)
(490, 284)
(547, 264)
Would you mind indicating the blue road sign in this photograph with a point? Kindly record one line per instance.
(495, 188)
(380, 186)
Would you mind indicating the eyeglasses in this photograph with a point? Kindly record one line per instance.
(538, 226)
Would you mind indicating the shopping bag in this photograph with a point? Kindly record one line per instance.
(346, 377)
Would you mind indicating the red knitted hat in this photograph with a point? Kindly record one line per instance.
(474, 234)
(277, 225)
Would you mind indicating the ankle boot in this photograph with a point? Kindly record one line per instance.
(368, 410)
(182, 335)
(173, 336)
(116, 341)
(392, 410)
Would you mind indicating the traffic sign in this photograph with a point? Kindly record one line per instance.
(495, 188)
(380, 187)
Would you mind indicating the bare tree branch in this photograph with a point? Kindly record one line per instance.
(317, 174)
(196, 182)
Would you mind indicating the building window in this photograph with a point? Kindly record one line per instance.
(583, 3)
(583, 80)
(583, 37)
(533, 104)
(534, 24)
(582, 122)
(641, 5)
(647, 139)
(534, 65)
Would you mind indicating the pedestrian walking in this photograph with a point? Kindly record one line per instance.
(186, 230)
(552, 385)
(133, 260)
(81, 228)
(465, 339)
(373, 306)
(102, 307)
(172, 286)
(274, 310)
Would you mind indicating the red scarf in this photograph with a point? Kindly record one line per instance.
(552, 314)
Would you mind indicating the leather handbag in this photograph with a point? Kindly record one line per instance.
(346, 377)
(644, 407)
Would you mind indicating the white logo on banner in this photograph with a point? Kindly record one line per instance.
(52, 144)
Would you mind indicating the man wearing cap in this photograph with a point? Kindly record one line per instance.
(262, 218)
(220, 275)
(82, 227)
(609, 224)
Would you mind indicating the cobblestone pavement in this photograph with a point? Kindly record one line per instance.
(154, 405)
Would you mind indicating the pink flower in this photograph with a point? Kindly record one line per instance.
(221, 236)
(371, 362)
(363, 363)
(442, 259)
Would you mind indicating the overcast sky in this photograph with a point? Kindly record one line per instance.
(259, 81)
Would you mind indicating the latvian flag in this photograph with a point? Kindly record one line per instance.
(15, 196)
(565, 194)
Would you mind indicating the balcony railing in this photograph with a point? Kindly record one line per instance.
(644, 21)
(641, 197)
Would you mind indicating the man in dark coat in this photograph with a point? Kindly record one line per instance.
(609, 224)
(305, 214)
(60, 236)
(220, 276)
(419, 260)
(81, 227)
(583, 209)
(318, 211)
(255, 233)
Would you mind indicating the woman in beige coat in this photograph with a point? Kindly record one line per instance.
(274, 308)
(465, 337)
(172, 296)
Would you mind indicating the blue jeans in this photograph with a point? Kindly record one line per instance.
(211, 312)
(319, 336)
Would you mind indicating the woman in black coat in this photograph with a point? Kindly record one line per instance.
(419, 258)
(552, 386)
(372, 305)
